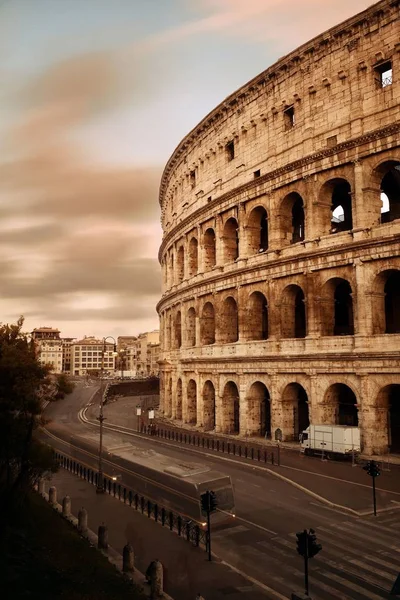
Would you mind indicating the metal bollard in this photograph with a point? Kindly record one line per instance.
(53, 495)
(41, 486)
(156, 579)
(128, 559)
(66, 506)
(82, 520)
(102, 535)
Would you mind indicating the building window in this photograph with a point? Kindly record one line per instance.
(257, 173)
(288, 115)
(192, 178)
(230, 150)
(384, 74)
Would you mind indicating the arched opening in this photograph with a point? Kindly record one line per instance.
(340, 405)
(292, 219)
(168, 403)
(341, 209)
(230, 239)
(191, 409)
(178, 411)
(392, 303)
(297, 221)
(207, 325)
(257, 231)
(209, 406)
(337, 308)
(386, 302)
(257, 321)
(180, 264)
(191, 327)
(193, 257)
(178, 329)
(228, 327)
(390, 192)
(171, 271)
(209, 249)
(295, 410)
(259, 411)
(387, 420)
(230, 409)
(293, 315)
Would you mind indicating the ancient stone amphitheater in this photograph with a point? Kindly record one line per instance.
(280, 254)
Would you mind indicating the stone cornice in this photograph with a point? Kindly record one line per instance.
(314, 254)
(361, 22)
(296, 358)
(252, 185)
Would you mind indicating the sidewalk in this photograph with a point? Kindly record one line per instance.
(187, 570)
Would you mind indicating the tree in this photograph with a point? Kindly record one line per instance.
(63, 385)
(24, 386)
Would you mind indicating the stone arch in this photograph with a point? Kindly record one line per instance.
(178, 329)
(209, 406)
(191, 404)
(335, 195)
(257, 231)
(230, 240)
(388, 418)
(295, 409)
(193, 263)
(386, 182)
(337, 307)
(292, 218)
(207, 325)
(178, 409)
(209, 248)
(191, 327)
(180, 264)
(230, 409)
(228, 328)
(293, 312)
(257, 317)
(259, 410)
(340, 405)
(386, 302)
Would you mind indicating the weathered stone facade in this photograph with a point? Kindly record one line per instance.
(280, 255)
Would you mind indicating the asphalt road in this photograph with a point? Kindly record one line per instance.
(360, 557)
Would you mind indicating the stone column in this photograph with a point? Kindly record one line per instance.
(273, 311)
(241, 219)
(372, 420)
(313, 326)
(242, 314)
(219, 417)
(200, 250)
(219, 242)
(243, 406)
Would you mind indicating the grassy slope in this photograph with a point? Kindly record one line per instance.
(43, 557)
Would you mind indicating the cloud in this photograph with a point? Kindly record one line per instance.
(71, 225)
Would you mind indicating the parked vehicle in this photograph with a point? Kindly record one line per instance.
(332, 440)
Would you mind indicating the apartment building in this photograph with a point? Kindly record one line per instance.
(49, 347)
(87, 356)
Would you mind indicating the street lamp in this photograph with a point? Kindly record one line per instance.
(101, 418)
(138, 413)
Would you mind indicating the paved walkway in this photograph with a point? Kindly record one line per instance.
(188, 571)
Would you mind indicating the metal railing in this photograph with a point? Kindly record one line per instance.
(189, 530)
(246, 451)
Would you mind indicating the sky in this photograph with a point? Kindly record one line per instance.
(94, 97)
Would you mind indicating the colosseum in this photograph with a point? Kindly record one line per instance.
(280, 252)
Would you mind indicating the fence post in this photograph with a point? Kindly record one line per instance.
(66, 506)
(128, 559)
(41, 486)
(156, 578)
(82, 520)
(53, 495)
(102, 542)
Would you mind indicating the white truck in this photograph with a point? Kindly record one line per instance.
(332, 440)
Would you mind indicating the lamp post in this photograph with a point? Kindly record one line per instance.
(101, 418)
(122, 354)
(138, 413)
